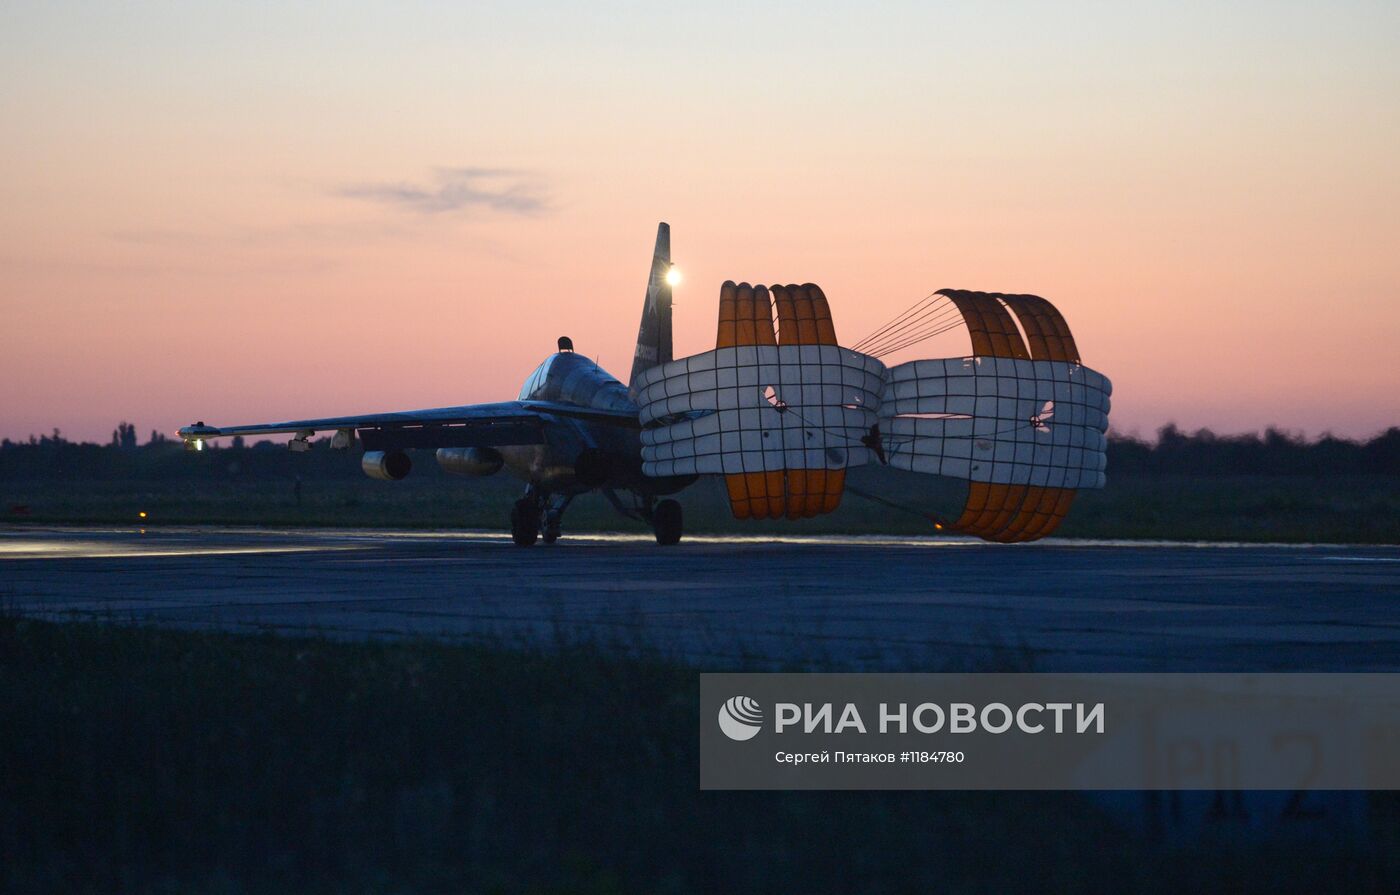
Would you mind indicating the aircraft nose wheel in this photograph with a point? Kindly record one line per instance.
(668, 522)
(525, 522)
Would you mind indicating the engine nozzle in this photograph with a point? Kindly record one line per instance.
(387, 466)
(472, 461)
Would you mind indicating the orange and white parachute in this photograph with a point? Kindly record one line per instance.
(782, 415)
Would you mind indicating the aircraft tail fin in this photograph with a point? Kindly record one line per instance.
(654, 335)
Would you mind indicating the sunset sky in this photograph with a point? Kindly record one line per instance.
(256, 211)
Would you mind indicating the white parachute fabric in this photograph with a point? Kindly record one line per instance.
(759, 408)
(998, 419)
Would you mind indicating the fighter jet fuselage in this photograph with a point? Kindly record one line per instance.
(573, 429)
(578, 455)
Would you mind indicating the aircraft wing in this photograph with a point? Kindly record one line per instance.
(471, 425)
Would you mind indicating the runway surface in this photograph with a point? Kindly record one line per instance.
(891, 603)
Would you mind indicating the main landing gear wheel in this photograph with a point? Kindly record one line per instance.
(551, 531)
(668, 522)
(525, 522)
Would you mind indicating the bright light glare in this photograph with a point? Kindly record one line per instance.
(673, 275)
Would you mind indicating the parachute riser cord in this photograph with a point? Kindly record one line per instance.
(836, 433)
(875, 498)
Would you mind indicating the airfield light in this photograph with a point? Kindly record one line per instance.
(673, 275)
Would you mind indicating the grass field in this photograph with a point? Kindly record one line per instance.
(1297, 508)
(141, 760)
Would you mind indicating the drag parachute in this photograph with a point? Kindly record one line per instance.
(782, 414)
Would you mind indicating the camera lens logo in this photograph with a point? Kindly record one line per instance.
(740, 718)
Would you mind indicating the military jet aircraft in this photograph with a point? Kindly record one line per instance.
(573, 429)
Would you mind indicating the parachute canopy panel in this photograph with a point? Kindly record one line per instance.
(997, 419)
(759, 408)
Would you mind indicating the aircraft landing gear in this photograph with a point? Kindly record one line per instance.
(664, 516)
(525, 521)
(552, 525)
(538, 515)
(668, 522)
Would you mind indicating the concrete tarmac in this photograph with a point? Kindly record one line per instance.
(725, 602)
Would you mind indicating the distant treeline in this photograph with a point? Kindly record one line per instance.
(1273, 453)
(1175, 452)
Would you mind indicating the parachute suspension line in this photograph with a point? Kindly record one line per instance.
(915, 338)
(893, 323)
(931, 316)
(925, 311)
(940, 322)
(838, 438)
(916, 315)
(837, 432)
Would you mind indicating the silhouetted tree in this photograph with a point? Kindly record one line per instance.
(1382, 453)
(124, 436)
